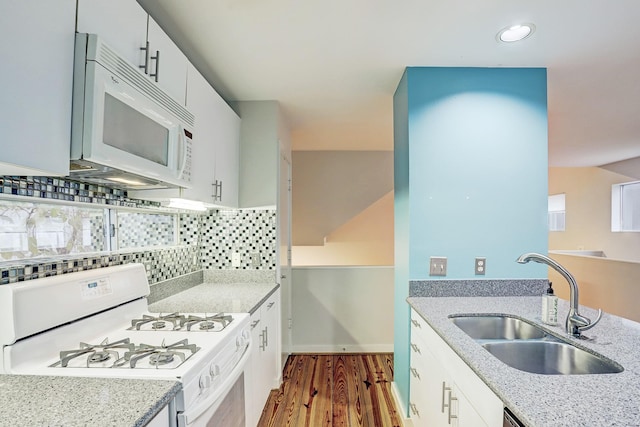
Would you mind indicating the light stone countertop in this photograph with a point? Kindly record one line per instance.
(27, 400)
(216, 298)
(549, 400)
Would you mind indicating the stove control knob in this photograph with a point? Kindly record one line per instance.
(246, 334)
(214, 370)
(205, 382)
(240, 341)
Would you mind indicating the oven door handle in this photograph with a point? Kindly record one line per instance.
(209, 405)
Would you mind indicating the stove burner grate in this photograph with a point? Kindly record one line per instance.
(158, 322)
(158, 355)
(208, 323)
(95, 353)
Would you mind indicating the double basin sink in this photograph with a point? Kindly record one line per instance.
(528, 347)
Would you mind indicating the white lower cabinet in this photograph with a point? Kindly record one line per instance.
(265, 366)
(444, 391)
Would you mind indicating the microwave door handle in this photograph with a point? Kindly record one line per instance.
(183, 148)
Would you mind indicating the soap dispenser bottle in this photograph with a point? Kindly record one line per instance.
(550, 307)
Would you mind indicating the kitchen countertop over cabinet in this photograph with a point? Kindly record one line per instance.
(548, 400)
(72, 401)
(217, 297)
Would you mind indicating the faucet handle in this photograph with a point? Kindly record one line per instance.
(591, 324)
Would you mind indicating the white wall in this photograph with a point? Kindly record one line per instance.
(342, 309)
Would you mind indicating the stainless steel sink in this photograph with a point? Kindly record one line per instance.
(528, 347)
(494, 327)
(551, 358)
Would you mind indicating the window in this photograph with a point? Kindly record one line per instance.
(625, 207)
(556, 212)
(35, 230)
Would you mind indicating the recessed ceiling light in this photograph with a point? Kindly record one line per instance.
(514, 33)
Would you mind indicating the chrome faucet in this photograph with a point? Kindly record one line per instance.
(575, 322)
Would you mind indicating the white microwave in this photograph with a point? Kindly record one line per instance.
(126, 131)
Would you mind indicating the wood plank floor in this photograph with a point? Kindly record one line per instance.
(333, 390)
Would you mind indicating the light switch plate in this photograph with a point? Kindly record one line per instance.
(437, 266)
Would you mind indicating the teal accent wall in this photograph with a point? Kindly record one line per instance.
(401, 241)
(471, 178)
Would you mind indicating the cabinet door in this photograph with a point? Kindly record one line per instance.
(122, 24)
(227, 147)
(271, 318)
(252, 374)
(171, 65)
(200, 96)
(36, 85)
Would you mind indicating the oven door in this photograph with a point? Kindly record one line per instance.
(224, 409)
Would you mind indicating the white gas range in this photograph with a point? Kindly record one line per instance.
(97, 323)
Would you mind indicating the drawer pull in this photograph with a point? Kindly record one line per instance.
(414, 409)
(416, 323)
(270, 305)
(255, 323)
(415, 373)
(416, 348)
(444, 390)
(451, 417)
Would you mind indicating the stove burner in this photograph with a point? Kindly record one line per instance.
(99, 356)
(216, 322)
(161, 358)
(207, 324)
(158, 355)
(158, 324)
(95, 353)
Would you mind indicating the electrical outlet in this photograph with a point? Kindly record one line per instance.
(235, 259)
(480, 266)
(437, 266)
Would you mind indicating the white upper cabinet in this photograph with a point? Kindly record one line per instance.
(169, 68)
(127, 28)
(226, 139)
(122, 24)
(216, 142)
(36, 79)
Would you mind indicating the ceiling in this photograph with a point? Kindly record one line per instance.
(334, 65)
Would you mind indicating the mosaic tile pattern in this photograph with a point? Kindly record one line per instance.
(206, 240)
(251, 233)
(45, 187)
(160, 264)
(138, 230)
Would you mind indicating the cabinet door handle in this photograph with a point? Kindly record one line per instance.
(414, 409)
(270, 305)
(263, 345)
(145, 66)
(255, 323)
(449, 416)
(157, 59)
(265, 339)
(415, 373)
(444, 390)
(416, 323)
(416, 348)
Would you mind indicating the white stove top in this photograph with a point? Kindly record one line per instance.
(97, 323)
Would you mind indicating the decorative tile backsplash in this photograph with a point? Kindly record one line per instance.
(249, 233)
(205, 240)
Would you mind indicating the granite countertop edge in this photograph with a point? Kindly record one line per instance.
(230, 297)
(547, 400)
(159, 405)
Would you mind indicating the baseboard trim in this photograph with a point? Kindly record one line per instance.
(344, 348)
(400, 406)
